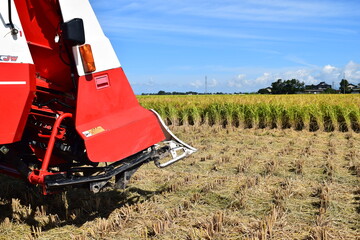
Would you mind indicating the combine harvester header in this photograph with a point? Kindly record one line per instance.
(66, 104)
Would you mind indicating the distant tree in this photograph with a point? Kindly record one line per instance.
(344, 86)
(263, 91)
(161, 92)
(287, 87)
(312, 86)
(330, 91)
(277, 86)
(295, 86)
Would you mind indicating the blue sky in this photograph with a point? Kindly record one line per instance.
(240, 46)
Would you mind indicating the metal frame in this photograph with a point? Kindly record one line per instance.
(38, 176)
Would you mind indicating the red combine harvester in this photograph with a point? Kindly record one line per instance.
(68, 115)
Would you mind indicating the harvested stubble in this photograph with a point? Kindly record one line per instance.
(190, 200)
(311, 112)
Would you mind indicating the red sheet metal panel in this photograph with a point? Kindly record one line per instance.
(17, 88)
(110, 119)
(41, 22)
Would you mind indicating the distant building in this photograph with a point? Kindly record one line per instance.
(319, 88)
(356, 89)
(352, 86)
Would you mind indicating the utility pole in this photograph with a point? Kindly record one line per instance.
(205, 84)
(344, 83)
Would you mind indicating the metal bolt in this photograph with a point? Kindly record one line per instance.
(4, 149)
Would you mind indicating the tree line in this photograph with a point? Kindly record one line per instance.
(162, 92)
(295, 86)
(280, 86)
(284, 87)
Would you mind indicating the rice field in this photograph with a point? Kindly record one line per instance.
(300, 112)
(254, 177)
(254, 184)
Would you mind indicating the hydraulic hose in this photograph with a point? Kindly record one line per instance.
(12, 27)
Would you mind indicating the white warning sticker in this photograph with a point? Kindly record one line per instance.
(93, 131)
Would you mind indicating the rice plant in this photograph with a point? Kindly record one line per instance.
(323, 112)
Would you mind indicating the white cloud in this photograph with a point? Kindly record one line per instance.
(298, 60)
(264, 79)
(352, 72)
(148, 83)
(197, 84)
(206, 18)
(213, 83)
(258, 10)
(241, 82)
(251, 79)
(328, 73)
(201, 83)
(237, 82)
(328, 69)
(120, 24)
